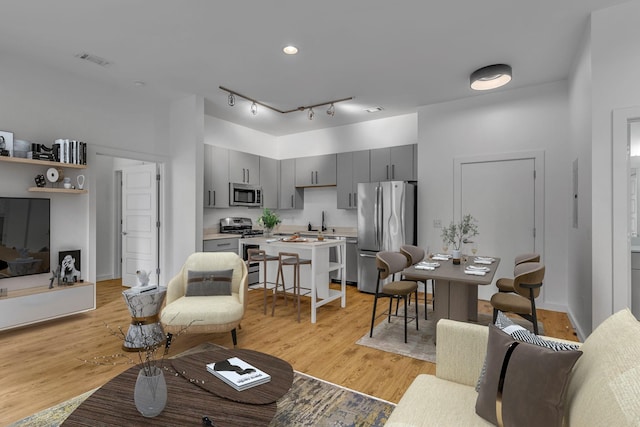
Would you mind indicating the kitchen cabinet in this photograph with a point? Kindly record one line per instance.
(244, 167)
(316, 171)
(353, 167)
(216, 177)
(635, 283)
(393, 163)
(290, 196)
(269, 177)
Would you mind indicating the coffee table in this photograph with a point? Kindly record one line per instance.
(187, 403)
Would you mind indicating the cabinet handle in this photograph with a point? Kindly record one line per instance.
(316, 177)
(214, 197)
(387, 171)
(393, 171)
(355, 199)
(349, 199)
(209, 202)
(312, 177)
(248, 177)
(292, 200)
(244, 179)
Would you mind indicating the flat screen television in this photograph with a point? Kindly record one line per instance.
(24, 236)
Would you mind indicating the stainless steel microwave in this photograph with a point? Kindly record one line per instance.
(244, 194)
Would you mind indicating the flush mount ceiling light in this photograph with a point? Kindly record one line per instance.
(373, 109)
(290, 50)
(310, 113)
(490, 77)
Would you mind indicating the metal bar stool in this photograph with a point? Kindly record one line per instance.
(293, 259)
(259, 255)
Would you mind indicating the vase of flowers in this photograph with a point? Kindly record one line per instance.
(456, 234)
(268, 220)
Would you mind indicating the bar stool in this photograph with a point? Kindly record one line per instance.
(259, 255)
(293, 259)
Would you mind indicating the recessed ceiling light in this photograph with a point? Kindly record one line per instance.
(373, 109)
(290, 50)
(139, 83)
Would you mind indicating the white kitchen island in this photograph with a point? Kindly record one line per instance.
(317, 276)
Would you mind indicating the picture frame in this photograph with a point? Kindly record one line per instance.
(6, 143)
(70, 267)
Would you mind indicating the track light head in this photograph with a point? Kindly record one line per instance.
(254, 108)
(231, 100)
(310, 114)
(331, 111)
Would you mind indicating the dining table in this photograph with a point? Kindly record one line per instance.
(455, 290)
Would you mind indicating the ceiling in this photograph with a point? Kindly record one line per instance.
(395, 55)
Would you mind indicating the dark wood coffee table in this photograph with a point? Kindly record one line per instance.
(187, 403)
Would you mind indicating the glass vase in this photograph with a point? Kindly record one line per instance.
(267, 232)
(150, 393)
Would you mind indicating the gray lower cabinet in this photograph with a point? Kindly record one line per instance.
(290, 196)
(216, 177)
(353, 167)
(269, 177)
(393, 163)
(229, 244)
(316, 171)
(635, 283)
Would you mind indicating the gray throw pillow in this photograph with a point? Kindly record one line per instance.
(209, 283)
(525, 384)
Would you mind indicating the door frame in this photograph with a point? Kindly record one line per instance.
(162, 168)
(621, 234)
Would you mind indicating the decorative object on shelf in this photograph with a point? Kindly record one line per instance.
(66, 182)
(55, 174)
(80, 180)
(331, 111)
(458, 233)
(21, 148)
(69, 262)
(268, 220)
(55, 276)
(6, 143)
(40, 180)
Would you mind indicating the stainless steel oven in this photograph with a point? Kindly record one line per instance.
(244, 194)
(243, 227)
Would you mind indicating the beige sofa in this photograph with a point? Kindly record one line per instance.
(604, 389)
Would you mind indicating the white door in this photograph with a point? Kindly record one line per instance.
(139, 222)
(501, 194)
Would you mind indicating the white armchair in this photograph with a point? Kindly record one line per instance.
(199, 298)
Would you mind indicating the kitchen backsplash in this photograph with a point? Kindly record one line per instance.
(316, 200)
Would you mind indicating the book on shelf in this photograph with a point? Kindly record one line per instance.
(238, 374)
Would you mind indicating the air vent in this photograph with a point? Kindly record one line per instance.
(93, 58)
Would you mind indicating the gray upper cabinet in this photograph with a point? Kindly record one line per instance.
(393, 163)
(290, 196)
(353, 168)
(269, 177)
(244, 167)
(216, 177)
(316, 171)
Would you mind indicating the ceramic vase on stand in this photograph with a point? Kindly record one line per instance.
(455, 254)
(150, 393)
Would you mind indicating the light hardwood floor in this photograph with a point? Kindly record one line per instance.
(42, 364)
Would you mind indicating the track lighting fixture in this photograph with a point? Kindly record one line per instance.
(331, 111)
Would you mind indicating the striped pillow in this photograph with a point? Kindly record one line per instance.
(208, 283)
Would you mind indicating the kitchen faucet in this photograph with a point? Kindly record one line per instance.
(324, 226)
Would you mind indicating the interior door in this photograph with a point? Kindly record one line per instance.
(501, 195)
(139, 222)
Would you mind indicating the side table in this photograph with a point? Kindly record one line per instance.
(145, 329)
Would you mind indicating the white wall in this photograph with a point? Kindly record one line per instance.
(615, 70)
(579, 275)
(529, 119)
(41, 105)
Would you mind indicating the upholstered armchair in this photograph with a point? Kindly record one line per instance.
(208, 295)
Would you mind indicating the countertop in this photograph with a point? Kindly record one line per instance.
(287, 230)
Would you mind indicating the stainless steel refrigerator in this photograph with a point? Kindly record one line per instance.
(386, 221)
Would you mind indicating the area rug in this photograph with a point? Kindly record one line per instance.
(310, 402)
(420, 343)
